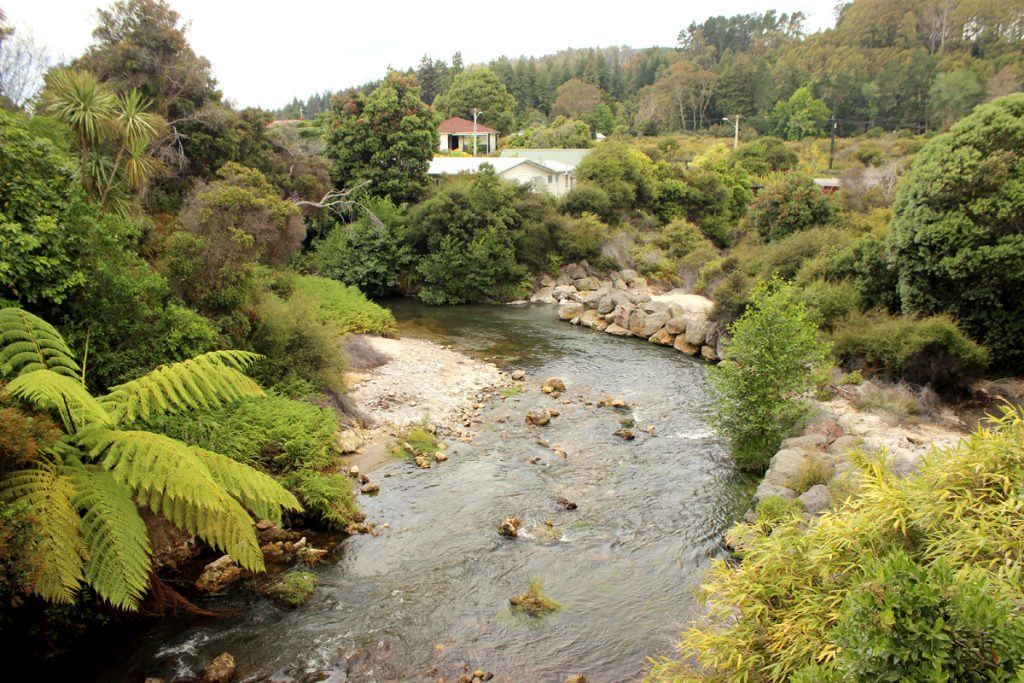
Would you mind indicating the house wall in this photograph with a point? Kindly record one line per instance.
(528, 174)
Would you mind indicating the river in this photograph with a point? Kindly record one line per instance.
(428, 598)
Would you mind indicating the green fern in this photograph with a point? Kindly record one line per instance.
(29, 343)
(207, 381)
(82, 496)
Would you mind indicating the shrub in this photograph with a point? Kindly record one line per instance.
(774, 510)
(766, 155)
(731, 296)
(828, 302)
(829, 594)
(790, 203)
(588, 197)
(679, 238)
(958, 229)
(769, 363)
(624, 172)
(866, 264)
(581, 238)
(344, 307)
(920, 350)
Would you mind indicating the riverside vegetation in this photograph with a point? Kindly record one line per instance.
(156, 227)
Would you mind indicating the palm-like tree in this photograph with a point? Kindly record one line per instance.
(83, 494)
(114, 134)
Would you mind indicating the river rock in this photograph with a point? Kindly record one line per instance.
(766, 490)
(220, 670)
(422, 462)
(655, 307)
(606, 305)
(440, 457)
(349, 441)
(682, 345)
(661, 337)
(544, 295)
(510, 526)
(547, 281)
(639, 298)
(619, 285)
(576, 271)
(652, 323)
(538, 417)
(519, 375)
(816, 499)
(600, 324)
(563, 292)
(568, 310)
(806, 441)
(369, 487)
(588, 299)
(353, 471)
(696, 331)
(787, 468)
(709, 354)
(576, 678)
(566, 503)
(554, 383)
(622, 314)
(625, 434)
(628, 275)
(587, 283)
(844, 444)
(563, 280)
(636, 322)
(218, 575)
(617, 330)
(676, 325)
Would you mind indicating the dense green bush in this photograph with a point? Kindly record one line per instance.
(958, 229)
(766, 155)
(769, 363)
(624, 173)
(679, 238)
(367, 253)
(588, 197)
(731, 295)
(866, 264)
(789, 203)
(581, 238)
(345, 308)
(828, 302)
(828, 595)
(920, 350)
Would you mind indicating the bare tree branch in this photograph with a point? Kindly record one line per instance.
(340, 203)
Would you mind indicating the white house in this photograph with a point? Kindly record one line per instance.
(456, 135)
(549, 176)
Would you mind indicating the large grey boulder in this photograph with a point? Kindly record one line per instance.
(655, 307)
(575, 271)
(587, 298)
(606, 305)
(587, 283)
(696, 331)
(816, 499)
(622, 313)
(563, 291)
(652, 323)
(628, 275)
(787, 468)
(590, 318)
(563, 280)
(617, 330)
(543, 296)
(766, 490)
(568, 310)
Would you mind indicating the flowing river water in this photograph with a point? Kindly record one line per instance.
(429, 597)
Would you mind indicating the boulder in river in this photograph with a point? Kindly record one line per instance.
(518, 375)
(220, 670)
(369, 487)
(686, 347)
(510, 526)
(218, 575)
(617, 330)
(625, 434)
(576, 678)
(662, 337)
(538, 418)
(568, 310)
(566, 503)
(555, 384)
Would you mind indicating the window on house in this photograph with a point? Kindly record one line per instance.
(551, 179)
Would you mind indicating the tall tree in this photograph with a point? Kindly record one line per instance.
(577, 99)
(386, 139)
(479, 88)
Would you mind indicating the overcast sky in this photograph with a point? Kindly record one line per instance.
(264, 53)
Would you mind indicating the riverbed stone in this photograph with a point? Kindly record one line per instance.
(349, 441)
(568, 310)
(369, 487)
(605, 305)
(590, 318)
(587, 284)
(709, 354)
(696, 331)
(589, 299)
(685, 347)
(652, 323)
(220, 670)
(510, 526)
(625, 433)
(617, 330)
(555, 384)
(662, 337)
(575, 271)
(219, 575)
(766, 490)
(576, 678)
(519, 375)
(816, 499)
(844, 444)
(538, 418)
(563, 292)
(787, 468)
(805, 441)
(544, 295)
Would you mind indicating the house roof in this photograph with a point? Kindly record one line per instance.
(455, 125)
(454, 165)
(572, 157)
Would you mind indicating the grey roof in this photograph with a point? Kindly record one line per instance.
(572, 157)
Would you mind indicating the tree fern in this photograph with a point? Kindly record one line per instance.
(207, 381)
(65, 395)
(258, 492)
(58, 550)
(119, 559)
(29, 343)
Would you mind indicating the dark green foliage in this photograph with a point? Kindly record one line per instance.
(589, 197)
(679, 238)
(465, 233)
(929, 350)
(766, 155)
(714, 199)
(328, 496)
(478, 87)
(866, 264)
(731, 295)
(581, 238)
(769, 363)
(385, 139)
(789, 203)
(624, 173)
(958, 229)
(828, 302)
(367, 253)
(561, 133)
(909, 621)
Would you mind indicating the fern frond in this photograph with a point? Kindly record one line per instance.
(228, 528)
(153, 463)
(57, 549)
(261, 494)
(29, 343)
(119, 555)
(52, 391)
(207, 381)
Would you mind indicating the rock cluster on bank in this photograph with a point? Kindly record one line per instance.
(621, 303)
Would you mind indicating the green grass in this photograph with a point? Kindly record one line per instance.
(346, 307)
(293, 589)
(417, 441)
(509, 392)
(534, 602)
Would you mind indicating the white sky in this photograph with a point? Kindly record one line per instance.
(264, 53)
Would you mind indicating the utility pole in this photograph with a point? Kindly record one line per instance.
(736, 134)
(475, 112)
(832, 151)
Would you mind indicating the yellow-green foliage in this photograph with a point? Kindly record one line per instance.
(776, 612)
(346, 306)
(292, 589)
(418, 441)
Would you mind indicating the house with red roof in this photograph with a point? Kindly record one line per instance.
(456, 135)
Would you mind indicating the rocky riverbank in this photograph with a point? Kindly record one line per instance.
(420, 384)
(621, 303)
